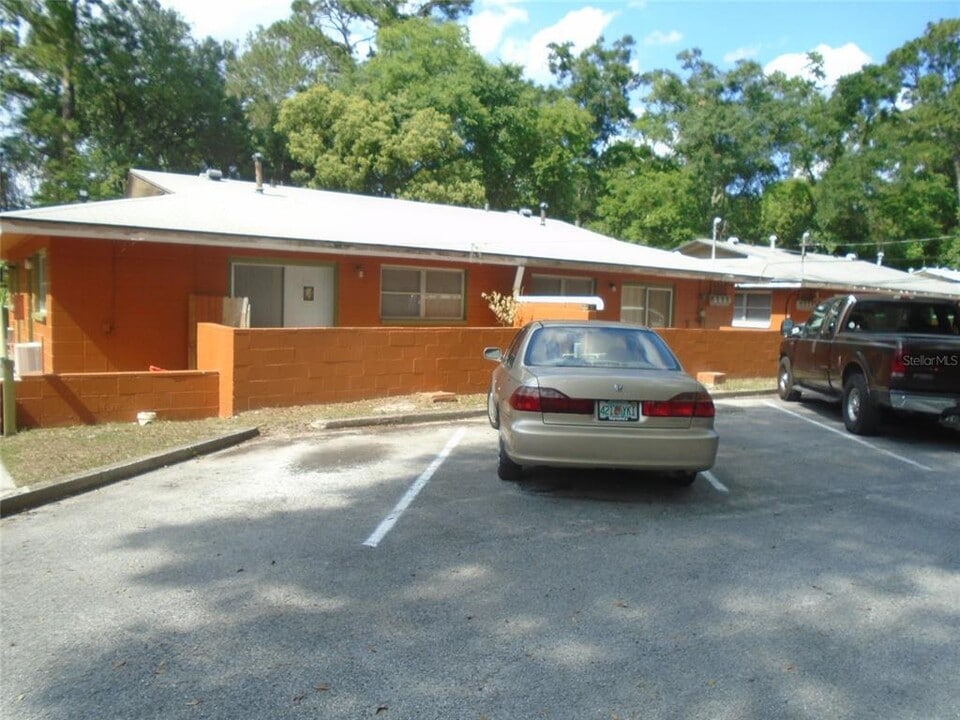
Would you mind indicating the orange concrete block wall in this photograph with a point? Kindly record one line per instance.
(284, 367)
(737, 353)
(91, 398)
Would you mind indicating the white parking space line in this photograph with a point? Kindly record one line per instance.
(712, 479)
(390, 520)
(848, 436)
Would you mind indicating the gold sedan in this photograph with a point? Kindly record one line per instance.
(598, 395)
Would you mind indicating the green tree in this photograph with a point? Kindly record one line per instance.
(649, 200)
(43, 57)
(153, 97)
(788, 210)
(94, 88)
(891, 178)
(724, 128)
(484, 135)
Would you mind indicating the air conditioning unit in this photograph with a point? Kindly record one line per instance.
(28, 358)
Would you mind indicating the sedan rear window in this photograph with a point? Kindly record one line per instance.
(599, 347)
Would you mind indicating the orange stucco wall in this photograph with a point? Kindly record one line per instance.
(91, 398)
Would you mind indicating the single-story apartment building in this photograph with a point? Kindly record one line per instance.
(292, 295)
(107, 286)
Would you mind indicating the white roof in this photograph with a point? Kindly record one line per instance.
(774, 266)
(198, 210)
(939, 274)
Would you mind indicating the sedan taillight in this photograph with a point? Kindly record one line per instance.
(691, 405)
(548, 400)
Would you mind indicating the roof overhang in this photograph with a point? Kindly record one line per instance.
(19, 229)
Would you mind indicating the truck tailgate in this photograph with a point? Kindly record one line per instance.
(929, 365)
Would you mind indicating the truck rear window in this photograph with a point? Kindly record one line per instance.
(912, 317)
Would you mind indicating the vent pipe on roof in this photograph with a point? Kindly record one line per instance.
(773, 242)
(880, 257)
(258, 170)
(543, 213)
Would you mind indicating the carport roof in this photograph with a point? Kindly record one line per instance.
(198, 210)
(780, 268)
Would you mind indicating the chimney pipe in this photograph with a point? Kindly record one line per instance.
(773, 242)
(258, 170)
(543, 213)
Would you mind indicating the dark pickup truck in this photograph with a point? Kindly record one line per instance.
(876, 353)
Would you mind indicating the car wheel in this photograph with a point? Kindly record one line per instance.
(785, 382)
(493, 413)
(684, 479)
(860, 415)
(507, 469)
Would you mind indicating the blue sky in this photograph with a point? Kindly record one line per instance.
(775, 33)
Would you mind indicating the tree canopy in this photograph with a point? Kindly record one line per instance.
(388, 98)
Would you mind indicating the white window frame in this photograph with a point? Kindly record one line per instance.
(41, 283)
(423, 294)
(741, 306)
(564, 280)
(646, 308)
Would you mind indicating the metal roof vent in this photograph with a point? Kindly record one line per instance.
(214, 174)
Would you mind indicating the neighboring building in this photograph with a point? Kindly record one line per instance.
(939, 274)
(786, 284)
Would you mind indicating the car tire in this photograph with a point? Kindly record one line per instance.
(860, 415)
(684, 479)
(493, 412)
(785, 382)
(507, 469)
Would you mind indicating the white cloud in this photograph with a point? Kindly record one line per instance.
(581, 27)
(488, 25)
(658, 37)
(743, 53)
(231, 20)
(837, 62)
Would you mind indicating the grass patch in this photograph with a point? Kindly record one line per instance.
(40, 455)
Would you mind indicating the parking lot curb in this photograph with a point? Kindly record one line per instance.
(724, 394)
(398, 419)
(37, 495)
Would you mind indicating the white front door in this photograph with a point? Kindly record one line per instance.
(307, 296)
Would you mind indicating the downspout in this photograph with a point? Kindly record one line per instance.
(518, 281)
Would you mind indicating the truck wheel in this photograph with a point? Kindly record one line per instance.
(507, 469)
(785, 382)
(860, 415)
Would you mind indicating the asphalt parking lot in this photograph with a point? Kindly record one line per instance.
(388, 573)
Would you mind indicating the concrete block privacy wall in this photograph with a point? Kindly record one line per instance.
(248, 369)
(283, 367)
(91, 398)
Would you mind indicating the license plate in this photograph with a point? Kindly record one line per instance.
(618, 411)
